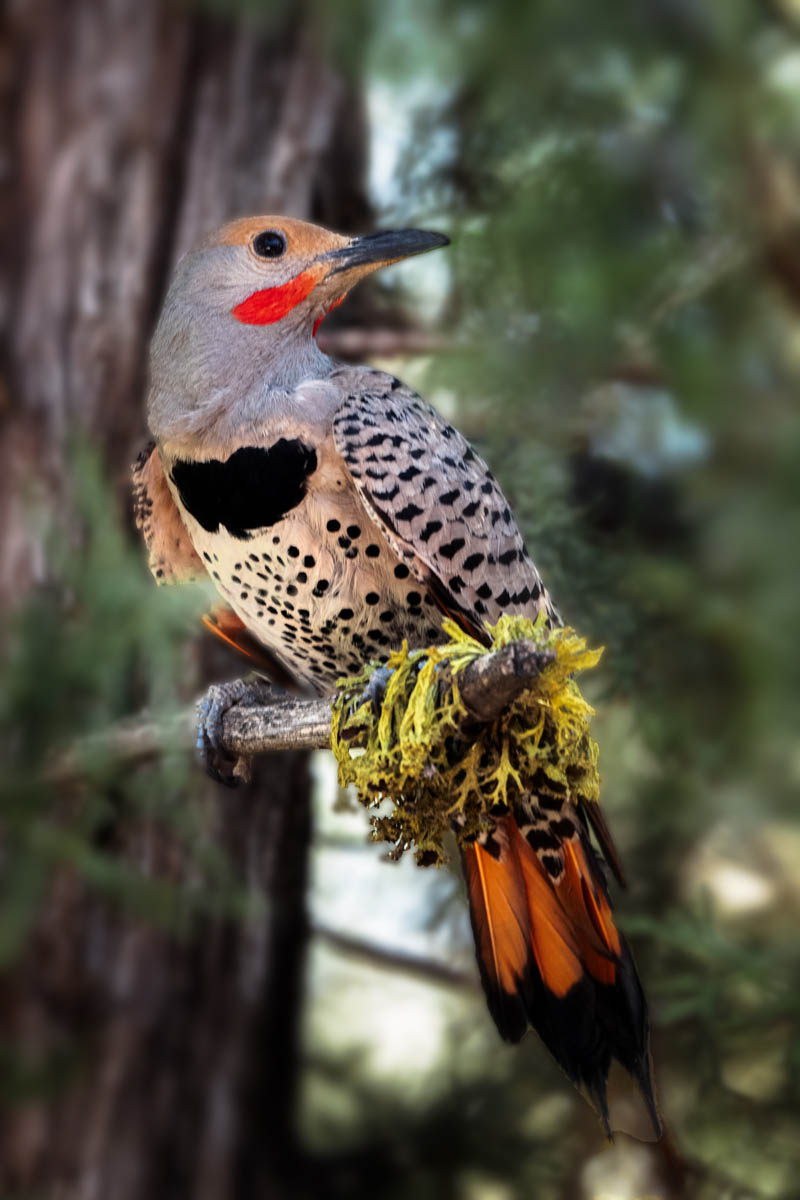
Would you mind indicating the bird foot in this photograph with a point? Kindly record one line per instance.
(375, 690)
(224, 767)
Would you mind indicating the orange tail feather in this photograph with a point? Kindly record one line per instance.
(224, 624)
(551, 957)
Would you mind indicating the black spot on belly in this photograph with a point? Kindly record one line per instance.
(253, 488)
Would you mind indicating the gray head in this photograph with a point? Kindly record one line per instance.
(240, 317)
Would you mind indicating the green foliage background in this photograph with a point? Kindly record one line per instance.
(621, 184)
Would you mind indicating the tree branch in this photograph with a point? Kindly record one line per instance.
(487, 686)
(427, 970)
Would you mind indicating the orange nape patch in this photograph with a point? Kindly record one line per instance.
(269, 305)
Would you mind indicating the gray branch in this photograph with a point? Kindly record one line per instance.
(373, 955)
(487, 686)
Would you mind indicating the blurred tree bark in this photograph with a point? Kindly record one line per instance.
(130, 128)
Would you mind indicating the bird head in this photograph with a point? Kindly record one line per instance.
(286, 268)
(242, 310)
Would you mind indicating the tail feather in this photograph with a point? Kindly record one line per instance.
(500, 923)
(551, 957)
(224, 624)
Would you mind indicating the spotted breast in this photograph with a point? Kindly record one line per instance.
(333, 549)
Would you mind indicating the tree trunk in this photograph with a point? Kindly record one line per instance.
(135, 127)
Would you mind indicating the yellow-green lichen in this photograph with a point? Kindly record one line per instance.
(413, 754)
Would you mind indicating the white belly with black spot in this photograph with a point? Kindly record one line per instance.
(325, 601)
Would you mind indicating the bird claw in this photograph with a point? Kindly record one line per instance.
(224, 767)
(375, 690)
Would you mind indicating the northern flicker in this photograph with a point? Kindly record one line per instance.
(338, 514)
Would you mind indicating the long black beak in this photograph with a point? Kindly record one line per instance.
(385, 247)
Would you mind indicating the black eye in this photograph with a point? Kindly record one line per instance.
(269, 244)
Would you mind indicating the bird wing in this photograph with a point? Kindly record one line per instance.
(170, 554)
(549, 953)
(436, 501)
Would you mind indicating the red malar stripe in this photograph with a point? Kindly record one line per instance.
(270, 304)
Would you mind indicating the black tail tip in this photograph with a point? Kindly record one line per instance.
(598, 1099)
(595, 1089)
(644, 1078)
